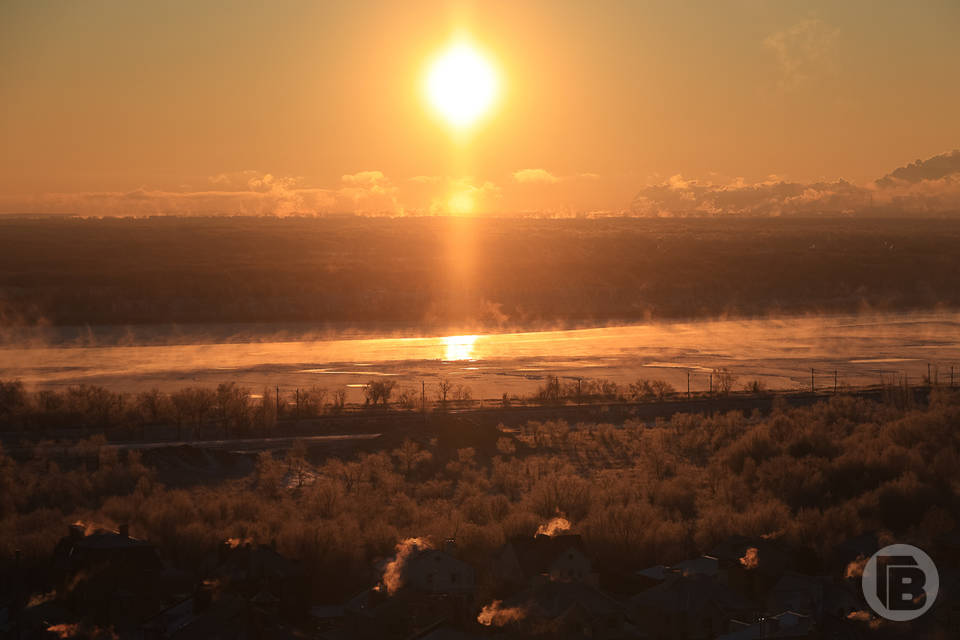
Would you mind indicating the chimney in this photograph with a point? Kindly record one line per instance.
(450, 546)
(124, 530)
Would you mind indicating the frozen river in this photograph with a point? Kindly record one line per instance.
(781, 352)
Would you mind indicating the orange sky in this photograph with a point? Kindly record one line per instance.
(116, 107)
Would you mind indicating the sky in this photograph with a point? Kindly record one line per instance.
(111, 107)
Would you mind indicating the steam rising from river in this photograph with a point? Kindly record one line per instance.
(781, 352)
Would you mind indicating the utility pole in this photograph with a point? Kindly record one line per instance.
(711, 383)
(688, 384)
(813, 388)
(834, 382)
(580, 391)
(298, 403)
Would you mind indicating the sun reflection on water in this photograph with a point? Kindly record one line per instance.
(458, 347)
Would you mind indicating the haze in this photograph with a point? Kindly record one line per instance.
(117, 108)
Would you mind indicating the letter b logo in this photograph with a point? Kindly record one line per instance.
(900, 582)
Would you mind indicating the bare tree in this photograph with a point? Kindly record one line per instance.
(297, 465)
(379, 391)
(444, 387)
(233, 407)
(311, 400)
(338, 401)
(153, 405)
(194, 404)
(723, 380)
(409, 399)
(661, 389)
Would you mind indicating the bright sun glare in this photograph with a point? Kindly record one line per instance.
(458, 347)
(461, 85)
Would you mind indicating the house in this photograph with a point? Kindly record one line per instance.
(438, 572)
(815, 596)
(797, 592)
(116, 550)
(199, 617)
(702, 566)
(440, 630)
(112, 577)
(567, 610)
(788, 624)
(376, 614)
(559, 558)
(754, 565)
(327, 617)
(215, 613)
(260, 572)
(426, 586)
(694, 606)
(658, 574)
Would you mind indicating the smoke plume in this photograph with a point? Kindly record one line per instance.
(393, 574)
(555, 526)
(751, 559)
(496, 615)
(855, 568)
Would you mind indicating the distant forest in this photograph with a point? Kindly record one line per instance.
(449, 272)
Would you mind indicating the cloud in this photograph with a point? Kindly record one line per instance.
(250, 192)
(535, 176)
(265, 196)
(364, 178)
(936, 168)
(681, 197)
(370, 192)
(803, 51)
(925, 188)
(235, 193)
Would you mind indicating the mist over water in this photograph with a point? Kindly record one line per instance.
(856, 349)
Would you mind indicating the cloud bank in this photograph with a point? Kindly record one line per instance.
(927, 187)
(235, 193)
(923, 187)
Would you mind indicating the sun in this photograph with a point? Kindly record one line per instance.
(462, 85)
